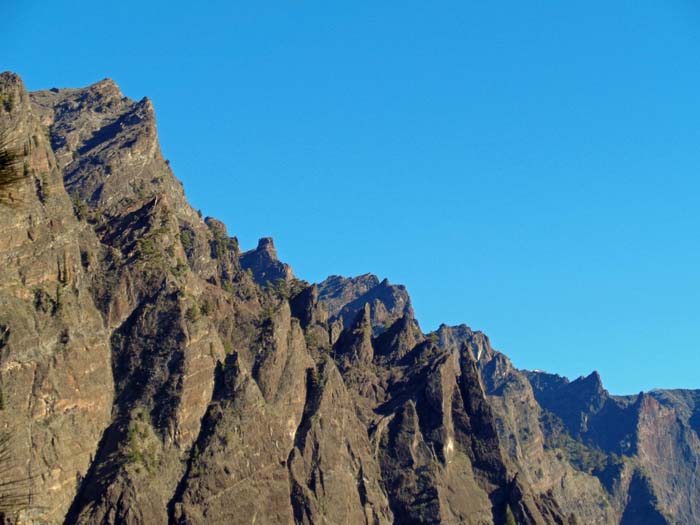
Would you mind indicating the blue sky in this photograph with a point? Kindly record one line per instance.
(530, 169)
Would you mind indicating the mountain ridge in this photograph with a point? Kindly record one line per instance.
(210, 385)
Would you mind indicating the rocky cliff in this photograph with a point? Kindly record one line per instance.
(151, 372)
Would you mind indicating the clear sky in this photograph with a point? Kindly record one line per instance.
(528, 168)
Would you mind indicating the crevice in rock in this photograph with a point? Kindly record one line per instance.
(205, 431)
(315, 379)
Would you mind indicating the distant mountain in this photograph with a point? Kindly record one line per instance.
(152, 373)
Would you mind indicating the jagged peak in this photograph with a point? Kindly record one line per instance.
(267, 245)
(9, 78)
(367, 278)
(101, 90)
(400, 338)
(216, 225)
(363, 318)
(402, 323)
(146, 105)
(460, 337)
(105, 87)
(385, 283)
(594, 376)
(105, 83)
(355, 342)
(461, 329)
(592, 381)
(345, 296)
(305, 307)
(14, 92)
(264, 264)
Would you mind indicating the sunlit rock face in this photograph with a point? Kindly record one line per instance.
(151, 372)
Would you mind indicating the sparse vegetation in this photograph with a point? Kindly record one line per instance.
(179, 270)
(205, 308)
(79, 207)
(510, 518)
(196, 469)
(314, 377)
(221, 244)
(139, 188)
(7, 100)
(296, 286)
(192, 314)
(147, 248)
(165, 216)
(310, 339)
(96, 216)
(279, 289)
(139, 449)
(187, 240)
(585, 457)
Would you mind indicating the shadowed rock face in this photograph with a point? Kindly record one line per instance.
(153, 373)
(346, 297)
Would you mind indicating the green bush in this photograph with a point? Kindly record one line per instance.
(192, 314)
(136, 449)
(585, 457)
(510, 519)
(205, 308)
(8, 101)
(221, 244)
(179, 270)
(147, 248)
(279, 288)
(311, 340)
(187, 239)
(79, 207)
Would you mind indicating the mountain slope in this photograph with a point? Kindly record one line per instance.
(154, 373)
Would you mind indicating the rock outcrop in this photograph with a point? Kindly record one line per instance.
(262, 262)
(346, 297)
